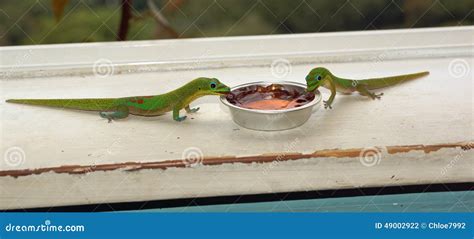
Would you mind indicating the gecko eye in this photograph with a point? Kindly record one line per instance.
(318, 77)
(213, 85)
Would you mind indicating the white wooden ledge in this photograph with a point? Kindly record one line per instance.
(421, 131)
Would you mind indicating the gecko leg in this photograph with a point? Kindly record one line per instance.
(191, 110)
(176, 115)
(363, 91)
(120, 113)
(328, 103)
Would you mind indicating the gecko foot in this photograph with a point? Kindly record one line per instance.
(327, 104)
(193, 110)
(377, 96)
(180, 119)
(107, 116)
(371, 95)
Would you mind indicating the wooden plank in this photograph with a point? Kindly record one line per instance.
(422, 130)
(446, 165)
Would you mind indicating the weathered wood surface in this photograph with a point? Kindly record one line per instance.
(420, 132)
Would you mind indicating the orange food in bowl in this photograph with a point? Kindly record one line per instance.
(273, 104)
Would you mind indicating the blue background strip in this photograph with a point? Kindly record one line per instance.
(233, 225)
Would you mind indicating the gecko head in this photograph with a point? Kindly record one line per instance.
(212, 86)
(316, 77)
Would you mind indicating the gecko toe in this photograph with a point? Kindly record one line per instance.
(378, 96)
(181, 119)
(327, 105)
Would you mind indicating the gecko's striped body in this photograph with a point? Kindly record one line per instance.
(117, 108)
(323, 77)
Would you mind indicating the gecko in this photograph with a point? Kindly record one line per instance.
(321, 76)
(154, 105)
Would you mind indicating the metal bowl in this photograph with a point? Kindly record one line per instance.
(272, 120)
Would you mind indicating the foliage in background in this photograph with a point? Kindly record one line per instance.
(33, 22)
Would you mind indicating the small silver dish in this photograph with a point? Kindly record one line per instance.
(273, 120)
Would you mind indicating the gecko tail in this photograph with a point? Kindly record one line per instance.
(377, 83)
(77, 104)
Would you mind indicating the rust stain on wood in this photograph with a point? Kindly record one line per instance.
(429, 148)
(265, 158)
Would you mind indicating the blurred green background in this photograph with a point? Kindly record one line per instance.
(33, 21)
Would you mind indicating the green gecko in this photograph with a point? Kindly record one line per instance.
(119, 108)
(323, 77)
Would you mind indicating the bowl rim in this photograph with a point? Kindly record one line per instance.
(316, 100)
